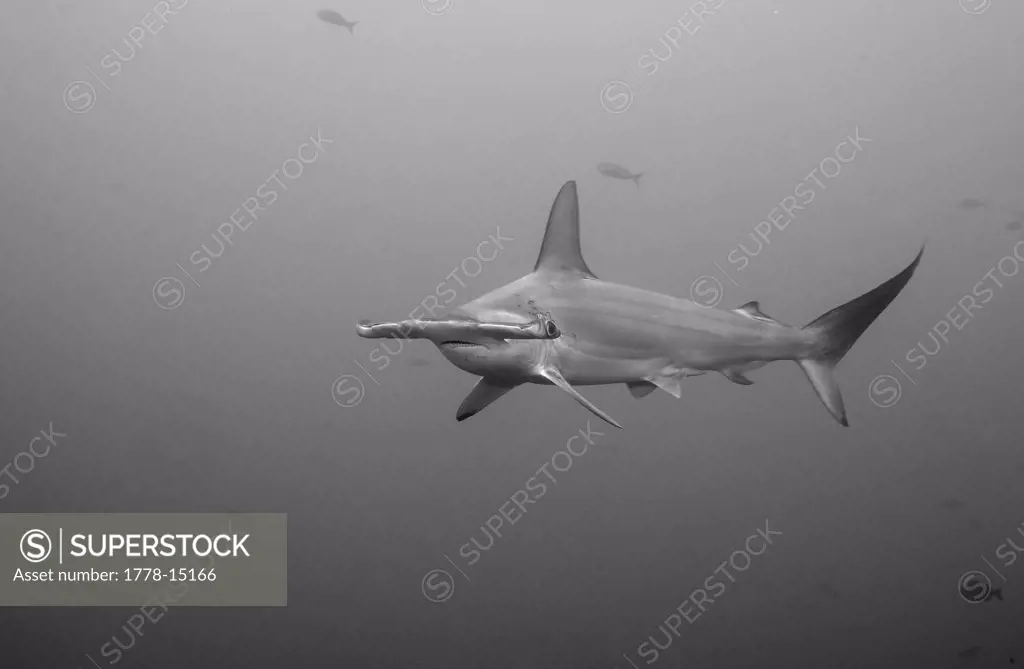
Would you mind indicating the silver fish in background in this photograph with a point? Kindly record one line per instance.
(970, 203)
(1016, 222)
(827, 590)
(996, 593)
(560, 325)
(616, 171)
(952, 504)
(334, 18)
(968, 653)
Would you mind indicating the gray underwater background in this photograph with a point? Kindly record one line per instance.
(441, 124)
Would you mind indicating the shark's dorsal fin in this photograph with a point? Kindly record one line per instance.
(560, 250)
(484, 393)
(753, 310)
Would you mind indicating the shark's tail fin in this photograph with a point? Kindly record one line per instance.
(838, 330)
(352, 25)
(636, 179)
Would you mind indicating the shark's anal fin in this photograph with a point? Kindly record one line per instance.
(560, 250)
(735, 375)
(484, 393)
(555, 377)
(640, 389)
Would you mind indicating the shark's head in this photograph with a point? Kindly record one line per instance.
(479, 339)
(492, 354)
(506, 336)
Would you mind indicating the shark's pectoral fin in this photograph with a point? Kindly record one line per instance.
(735, 375)
(484, 393)
(670, 384)
(640, 389)
(555, 377)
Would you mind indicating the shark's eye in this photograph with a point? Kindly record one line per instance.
(551, 329)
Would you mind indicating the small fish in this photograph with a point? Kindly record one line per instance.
(1014, 226)
(972, 203)
(333, 17)
(828, 590)
(952, 504)
(619, 172)
(970, 652)
(997, 593)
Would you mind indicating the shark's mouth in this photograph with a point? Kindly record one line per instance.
(455, 343)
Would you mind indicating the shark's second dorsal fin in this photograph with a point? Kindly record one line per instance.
(753, 310)
(560, 250)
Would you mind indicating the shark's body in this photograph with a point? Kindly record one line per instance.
(613, 333)
(584, 331)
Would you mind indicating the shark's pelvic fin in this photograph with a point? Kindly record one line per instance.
(484, 393)
(560, 250)
(670, 384)
(640, 389)
(555, 377)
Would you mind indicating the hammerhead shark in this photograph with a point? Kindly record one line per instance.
(560, 325)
